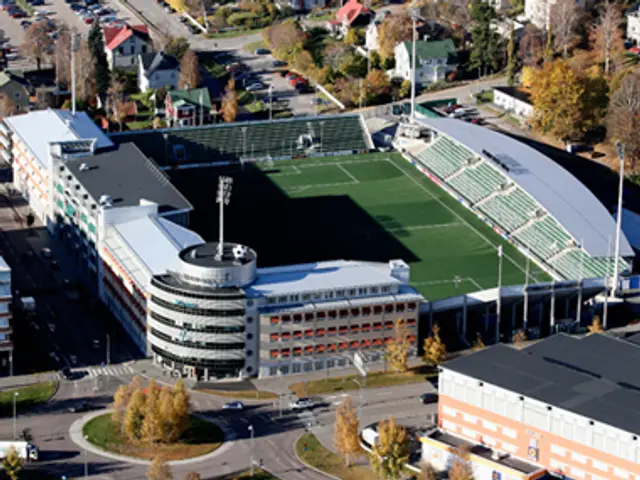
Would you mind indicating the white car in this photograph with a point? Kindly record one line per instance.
(302, 404)
(255, 86)
(233, 406)
(43, 11)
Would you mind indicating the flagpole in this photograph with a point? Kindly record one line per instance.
(499, 299)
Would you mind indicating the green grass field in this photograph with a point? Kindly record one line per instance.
(384, 208)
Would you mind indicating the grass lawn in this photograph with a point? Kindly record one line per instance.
(26, 6)
(485, 97)
(374, 380)
(201, 438)
(28, 396)
(140, 125)
(253, 46)
(245, 97)
(236, 33)
(312, 452)
(241, 395)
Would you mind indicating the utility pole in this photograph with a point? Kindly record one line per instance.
(499, 299)
(251, 450)
(616, 258)
(15, 397)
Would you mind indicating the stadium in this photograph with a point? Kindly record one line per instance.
(323, 209)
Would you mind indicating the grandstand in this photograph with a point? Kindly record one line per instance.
(232, 142)
(532, 201)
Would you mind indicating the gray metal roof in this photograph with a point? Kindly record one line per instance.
(127, 176)
(154, 61)
(39, 128)
(560, 193)
(592, 376)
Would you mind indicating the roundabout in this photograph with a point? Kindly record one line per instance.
(204, 440)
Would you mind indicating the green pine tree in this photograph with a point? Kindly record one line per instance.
(512, 66)
(96, 47)
(485, 52)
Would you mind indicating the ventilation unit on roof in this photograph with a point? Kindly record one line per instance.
(105, 201)
(84, 167)
(239, 251)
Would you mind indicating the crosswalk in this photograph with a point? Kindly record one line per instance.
(110, 370)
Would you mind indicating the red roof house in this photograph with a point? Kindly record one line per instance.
(352, 14)
(124, 44)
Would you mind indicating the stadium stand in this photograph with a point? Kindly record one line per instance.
(510, 211)
(544, 237)
(477, 182)
(254, 140)
(444, 157)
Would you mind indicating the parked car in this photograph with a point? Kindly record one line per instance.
(290, 75)
(278, 63)
(255, 86)
(302, 404)
(168, 9)
(89, 20)
(65, 373)
(80, 407)
(76, 7)
(25, 23)
(37, 3)
(17, 14)
(233, 406)
(46, 252)
(370, 434)
(427, 398)
(262, 51)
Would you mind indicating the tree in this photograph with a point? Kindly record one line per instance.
(378, 85)
(284, 39)
(606, 36)
(397, 351)
(181, 407)
(120, 402)
(177, 47)
(547, 55)
(485, 52)
(435, 351)
(478, 344)
(346, 428)
(567, 103)
(623, 118)
(38, 45)
(393, 30)
(530, 50)
(101, 65)
(135, 415)
(303, 63)
(520, 337)
(192, 476)
(159, 469)
(62, 56)
(427, 472)
(351, 38)
(120, 112)
(7, 106)
(152, 428)
(12, 463)
(564, 18)
(405, 89)
(527, 76)
(189, 70)
(512, 66)
(230, 102)
(596, 326)
(391, 451)
(167, 413)
(461, 468)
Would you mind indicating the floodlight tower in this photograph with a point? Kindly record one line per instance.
(616, 259)
(414, 13)
(75, 44)
(223, 198)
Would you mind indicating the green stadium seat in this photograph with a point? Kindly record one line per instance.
(477, 182)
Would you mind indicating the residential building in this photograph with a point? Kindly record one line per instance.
(539, 12)
(352, 14)
(563, 405)
(15, 89)
(124, 44)
(500, 5)
(157, 70)
(434, 60)
(188, 108)
(373, 30)
(6, 318)
(302, 5)
(24, 143)
(633, 23)
(513, 99)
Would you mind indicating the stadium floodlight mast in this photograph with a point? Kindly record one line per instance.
(414, 13)
(616, 258)
(499, 298)
(223, 198)
(75, 44)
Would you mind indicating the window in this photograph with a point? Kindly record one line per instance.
(308, 317)
(344, 313)
(377, 310)
(388, 309)
(297, 318)
(121, 50)
(366, 311)
(144, 49)
(400, 307)
(355, 312)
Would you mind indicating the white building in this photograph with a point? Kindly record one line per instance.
(513, 99)
(633, 23)
(6, 318)
(434, 60)
(157, 70)
(123, 45)
(539, 12)
(373, 31)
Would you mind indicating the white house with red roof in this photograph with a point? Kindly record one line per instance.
(351, 14)
(124, 44)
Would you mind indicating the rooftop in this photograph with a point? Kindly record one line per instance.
(520, 93)
(313, 277)
(154, 61)
(426, 49)
(585, 376)
(114, 37)
(206, 255)
(39, 128)
(192, 96)
(128, 177)
(559, 192)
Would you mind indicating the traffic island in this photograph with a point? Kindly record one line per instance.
(200, 438)
(311, 452)
(25, 397)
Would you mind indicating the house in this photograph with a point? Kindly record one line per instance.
(539, 12)
(513, 99)
(633, 23)
(352, 14)
(15, 89)
(156, 70)
(500, 5)
(434, 60)
(373, 30)
(124, 44)
(188, 108)
(302, 5)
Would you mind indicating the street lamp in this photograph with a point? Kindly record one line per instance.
(616, 260)
(414, 13)
(499, 299)
(86, 463)
(359, 395)
(251, 449)
(15, 396)
(270, 102)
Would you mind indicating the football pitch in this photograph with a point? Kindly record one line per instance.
(377, 207)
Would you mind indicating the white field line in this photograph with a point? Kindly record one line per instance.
(339, 165)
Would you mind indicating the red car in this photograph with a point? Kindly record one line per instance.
(17, 14)
(290, 75)
(89, 20)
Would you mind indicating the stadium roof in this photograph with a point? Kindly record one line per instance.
(588, 376)
(314, 277)
(559, 192)
(40, 128)
(128, 177)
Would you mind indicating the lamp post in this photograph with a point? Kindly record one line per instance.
(15, 396)
(414, 13)
(359, 396)
(499, 299)
(86, 462)
(251, 449)
(270, 102)
(616, 259)
(108, 349)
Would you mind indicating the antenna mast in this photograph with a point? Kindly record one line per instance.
(223, 198)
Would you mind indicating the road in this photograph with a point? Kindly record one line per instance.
(274, 440)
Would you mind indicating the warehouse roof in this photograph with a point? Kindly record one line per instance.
(554, 188)
(585, 376)
(127, 176)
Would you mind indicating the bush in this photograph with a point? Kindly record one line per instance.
(405, 89)
(241, 18)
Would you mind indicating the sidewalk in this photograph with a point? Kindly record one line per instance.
(18, 381)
